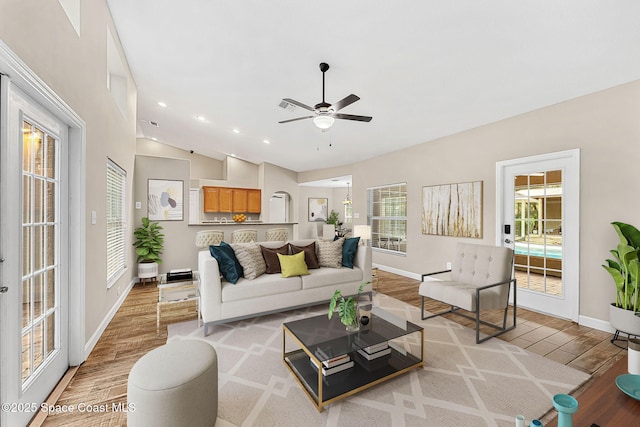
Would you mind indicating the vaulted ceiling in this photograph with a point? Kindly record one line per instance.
(423, 69)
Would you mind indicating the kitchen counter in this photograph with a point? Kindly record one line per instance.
(231, 226)
(216, 223)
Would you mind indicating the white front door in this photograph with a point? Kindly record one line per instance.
(538, 216)
(34, 247)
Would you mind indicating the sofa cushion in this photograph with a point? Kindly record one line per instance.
(229, 266)
(330, 277)
(330, 252)
(250, 258)
(310, 257)
(349, 248)
(267, 284)
(293, 265)
(270, 256)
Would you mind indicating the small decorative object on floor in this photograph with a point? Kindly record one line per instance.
(535, 423)
(633, 356)
(566, 406)
(519, 420)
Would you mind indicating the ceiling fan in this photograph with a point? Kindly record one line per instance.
(325, 114)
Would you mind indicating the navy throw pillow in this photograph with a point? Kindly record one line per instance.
(349, 249)
(227, 262)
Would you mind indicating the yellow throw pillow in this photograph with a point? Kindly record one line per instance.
(293, 265)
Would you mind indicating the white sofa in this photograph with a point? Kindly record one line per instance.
(221, 301)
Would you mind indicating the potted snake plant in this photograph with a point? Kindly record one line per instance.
(625, 271)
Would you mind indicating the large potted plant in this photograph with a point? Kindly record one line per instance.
(149, 244)
(625, 271)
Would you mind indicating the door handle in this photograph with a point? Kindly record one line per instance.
(4, 289)
(507, 241)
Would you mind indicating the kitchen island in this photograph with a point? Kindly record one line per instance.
(230, 226)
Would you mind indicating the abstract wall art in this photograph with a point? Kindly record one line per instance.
(165, 200)
(453, 210)
(318, 209)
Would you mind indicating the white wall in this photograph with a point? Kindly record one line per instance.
(604, 125)
(75, 68)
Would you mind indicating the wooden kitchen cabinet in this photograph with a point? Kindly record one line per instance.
(237, 200)
(254, 201)
(226, 199)
(211, 196)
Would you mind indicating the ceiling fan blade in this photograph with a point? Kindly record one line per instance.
(352, 117)
(348, 100)
(299, 118)
(299, 104)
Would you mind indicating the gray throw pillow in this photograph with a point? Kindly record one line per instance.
(250, 258)
(330, 252)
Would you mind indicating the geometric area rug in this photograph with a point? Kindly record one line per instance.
(462, 383)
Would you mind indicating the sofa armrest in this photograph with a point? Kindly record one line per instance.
(364, 261)
(210, 287)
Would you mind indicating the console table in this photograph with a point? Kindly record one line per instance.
(604, 404)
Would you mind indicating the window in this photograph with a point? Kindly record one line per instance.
(387, 216)
(116, 179)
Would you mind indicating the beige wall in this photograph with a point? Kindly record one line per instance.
(604, 125)
(201, 167)
(75, 68)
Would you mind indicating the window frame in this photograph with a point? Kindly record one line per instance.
(115, 216)
(397, 222)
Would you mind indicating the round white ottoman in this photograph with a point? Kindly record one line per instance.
(174, 385)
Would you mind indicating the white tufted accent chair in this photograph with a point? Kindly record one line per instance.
(480, 279)
(277, 235)
(244, 236)
(204, 239)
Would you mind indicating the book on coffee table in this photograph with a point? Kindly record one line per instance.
(377, 354)
(333, 370)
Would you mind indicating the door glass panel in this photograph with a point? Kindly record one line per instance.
(538, 232)
(40, 270)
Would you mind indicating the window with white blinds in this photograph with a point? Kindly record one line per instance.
(387, 216)
(116, 225)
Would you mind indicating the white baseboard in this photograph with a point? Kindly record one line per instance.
(399, 272)
(601, 325)
(88, 347)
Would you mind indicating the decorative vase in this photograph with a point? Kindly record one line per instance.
(624, 320)
(566, 406)
(355, 325)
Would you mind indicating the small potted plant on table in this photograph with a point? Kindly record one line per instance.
(347, 308)
(149, 244)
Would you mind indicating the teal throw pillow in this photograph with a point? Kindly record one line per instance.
(227, 262)
(349, 249)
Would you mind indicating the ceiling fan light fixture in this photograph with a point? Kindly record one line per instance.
(323, 122)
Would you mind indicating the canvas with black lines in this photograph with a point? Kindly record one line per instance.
(453, 209)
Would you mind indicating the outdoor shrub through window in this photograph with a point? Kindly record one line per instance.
(387, 215)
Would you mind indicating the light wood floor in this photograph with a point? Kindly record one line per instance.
(102, 379)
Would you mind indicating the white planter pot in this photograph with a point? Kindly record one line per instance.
(624, 320)
(147, 270)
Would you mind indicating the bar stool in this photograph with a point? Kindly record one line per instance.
(204, 239)
(244, 236)
(277, 235)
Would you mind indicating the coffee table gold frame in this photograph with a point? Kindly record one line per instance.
(319, 402)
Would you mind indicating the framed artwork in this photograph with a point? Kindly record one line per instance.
(453, 210)
(165, 200)
(318, 209)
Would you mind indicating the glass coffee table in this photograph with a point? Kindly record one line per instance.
(386, 347)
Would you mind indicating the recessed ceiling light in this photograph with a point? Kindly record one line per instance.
(154, 138)
(236, 131)
(266, 141)
(162, 104)
(232, 155)
(201, 118)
